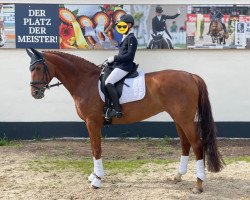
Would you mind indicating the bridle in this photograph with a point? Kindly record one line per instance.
(46, 75)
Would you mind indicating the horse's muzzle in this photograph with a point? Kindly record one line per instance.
(38, 94)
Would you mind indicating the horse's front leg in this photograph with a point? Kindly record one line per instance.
(94, 130)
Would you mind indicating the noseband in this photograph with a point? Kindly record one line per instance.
(40, 90)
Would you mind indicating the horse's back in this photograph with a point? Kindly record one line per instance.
(172, 86)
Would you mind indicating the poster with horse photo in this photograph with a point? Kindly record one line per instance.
(166, 26)
(93, 26)
(7, 26)
(218, 26)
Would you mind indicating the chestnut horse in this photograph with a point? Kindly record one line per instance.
(181, 94)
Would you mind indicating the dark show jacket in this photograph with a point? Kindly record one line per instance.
(160, 25)
(127, 48)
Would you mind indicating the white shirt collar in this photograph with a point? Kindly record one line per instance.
(130, 31)
(159, 17)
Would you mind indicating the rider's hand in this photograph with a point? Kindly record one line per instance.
(178, 11)
(111, 59)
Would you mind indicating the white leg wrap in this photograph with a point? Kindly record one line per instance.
(98, 167)
(91, 177)
(200, 169)
(183, 165)
(96, 183)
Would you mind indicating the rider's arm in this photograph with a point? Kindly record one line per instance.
(170, 17)
(129, 56)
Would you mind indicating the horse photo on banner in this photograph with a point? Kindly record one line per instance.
(166, 27)
(218, 26)
(7, 26)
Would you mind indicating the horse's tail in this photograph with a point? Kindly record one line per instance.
(207, 129)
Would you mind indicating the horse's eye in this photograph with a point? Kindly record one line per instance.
(38, 68)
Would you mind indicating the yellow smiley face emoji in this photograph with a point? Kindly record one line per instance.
(122, 27)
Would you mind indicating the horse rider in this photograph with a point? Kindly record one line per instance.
(159, 22)
(216, 14)
(122, 63)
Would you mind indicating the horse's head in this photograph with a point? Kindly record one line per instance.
(40, 75)
(216, 28)
(157, 41)
(215, 23)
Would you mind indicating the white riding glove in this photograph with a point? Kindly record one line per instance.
(178, 11)
(111, 59)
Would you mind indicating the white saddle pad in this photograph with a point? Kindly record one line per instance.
(135, 92)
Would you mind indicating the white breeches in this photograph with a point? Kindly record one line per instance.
(116, 75)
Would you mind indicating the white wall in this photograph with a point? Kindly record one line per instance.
(226, 73)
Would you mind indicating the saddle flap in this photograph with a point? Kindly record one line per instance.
(131, 89)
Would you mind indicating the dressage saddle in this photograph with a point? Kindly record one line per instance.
(106, 70)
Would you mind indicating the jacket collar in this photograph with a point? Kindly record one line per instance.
(124, 36)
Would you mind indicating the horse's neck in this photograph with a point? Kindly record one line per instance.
(73, 75)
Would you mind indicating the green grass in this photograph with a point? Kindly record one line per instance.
(4, 141)
(86, 165)
(237, 159)
(163, 145)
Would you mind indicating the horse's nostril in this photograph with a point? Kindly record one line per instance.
(36, 92)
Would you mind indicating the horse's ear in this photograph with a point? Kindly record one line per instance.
(37, 53)
(29, 53)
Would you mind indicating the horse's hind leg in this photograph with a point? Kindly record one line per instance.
(196, 143)
(185, 145)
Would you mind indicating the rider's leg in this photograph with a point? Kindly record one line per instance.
(116, 75)
(209, 29)
(224, 27)
(149, 41)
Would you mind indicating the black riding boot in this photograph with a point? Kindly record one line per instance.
(208, 33)
(224, 27)
(115, 99)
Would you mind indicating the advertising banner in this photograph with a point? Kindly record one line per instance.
(37, 26)
(7, 26)
(86, 26)
(90, 26)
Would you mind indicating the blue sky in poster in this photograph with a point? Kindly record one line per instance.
(37, 26)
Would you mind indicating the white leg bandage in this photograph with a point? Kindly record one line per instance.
(183, 165)
(98, 167)
(95, 178)
(200, 169)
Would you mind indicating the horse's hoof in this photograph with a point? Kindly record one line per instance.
(96, 183)
(197, 190)
(94, 187)
(177, 178)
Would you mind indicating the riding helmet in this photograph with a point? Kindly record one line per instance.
(127, 18)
